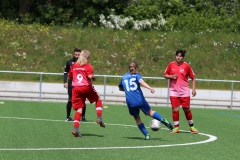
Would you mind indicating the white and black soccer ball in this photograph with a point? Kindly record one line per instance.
(155, 125)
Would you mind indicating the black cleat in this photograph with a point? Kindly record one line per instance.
(84, 119)
(69, 119)
(167, 124)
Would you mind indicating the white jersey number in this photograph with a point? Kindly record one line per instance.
(133, 84)
(79, 78)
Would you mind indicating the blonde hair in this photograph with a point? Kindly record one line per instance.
(84, 57)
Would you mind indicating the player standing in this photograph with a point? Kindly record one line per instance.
(76, 53)
(82, 75)
(178, 72)
(135, 99)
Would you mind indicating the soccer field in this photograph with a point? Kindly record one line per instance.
(37, 130)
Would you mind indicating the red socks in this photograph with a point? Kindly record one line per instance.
(77, 118)
(98, 105)
(188, 115)
(175, 116)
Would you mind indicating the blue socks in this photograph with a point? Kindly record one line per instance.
(157, 116)
(142, 129)
(141, 126)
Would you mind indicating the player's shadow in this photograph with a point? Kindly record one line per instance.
(87, 121)
(133, 137)
(141, 138)
(185, 132)
(92, 135)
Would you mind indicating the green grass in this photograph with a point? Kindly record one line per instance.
(40, 125)
(36, 48)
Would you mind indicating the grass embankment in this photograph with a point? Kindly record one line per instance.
(39, 48)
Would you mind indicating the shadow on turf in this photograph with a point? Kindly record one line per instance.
(184, 132)
(92, 135)
(141, 138)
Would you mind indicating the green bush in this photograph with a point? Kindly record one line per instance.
(192, 15)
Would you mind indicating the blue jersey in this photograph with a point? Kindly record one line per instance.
(133, 92)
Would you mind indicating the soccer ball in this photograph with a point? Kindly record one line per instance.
(155, 125)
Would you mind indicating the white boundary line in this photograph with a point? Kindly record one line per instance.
(211, 139)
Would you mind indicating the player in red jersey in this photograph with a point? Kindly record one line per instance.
(82, 75)
(68, 84)
(178, 72)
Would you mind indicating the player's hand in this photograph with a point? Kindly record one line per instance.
(174, 76)
(152, 90)
(121, 88)
(194, 92)
(65, 85)
(93, 78)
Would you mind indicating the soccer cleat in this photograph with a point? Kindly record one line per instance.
(84, 119)
(69, 119)
(100, 122)
(147, 137)
(193, 130)
(175, 130)
(167, 124)
(76, 133)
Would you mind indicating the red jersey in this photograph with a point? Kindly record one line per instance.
(79, 74)
(179, 87)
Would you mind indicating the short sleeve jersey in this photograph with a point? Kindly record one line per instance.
(133, 92)
(79, 74)
(67, 69)
(179, 87)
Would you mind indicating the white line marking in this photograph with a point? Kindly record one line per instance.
(211, 139)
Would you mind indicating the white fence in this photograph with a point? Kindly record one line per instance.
(110, 94)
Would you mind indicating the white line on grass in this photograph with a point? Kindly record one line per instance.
(211, 139)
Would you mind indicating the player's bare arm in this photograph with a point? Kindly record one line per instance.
(170, 76)
(194, 87)
(92, 77)
(144, 84)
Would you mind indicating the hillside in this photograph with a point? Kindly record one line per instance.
(37, 48)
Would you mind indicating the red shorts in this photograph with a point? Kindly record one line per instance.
(180, 101)
(80, 93)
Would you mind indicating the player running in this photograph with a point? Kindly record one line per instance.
(135, 99)
(68, 84)
(82, 75)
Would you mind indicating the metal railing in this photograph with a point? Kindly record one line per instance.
(112, 76)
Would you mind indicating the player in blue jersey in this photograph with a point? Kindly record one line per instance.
(135, 99)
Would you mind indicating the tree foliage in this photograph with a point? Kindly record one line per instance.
(193, 15)
(59, 12)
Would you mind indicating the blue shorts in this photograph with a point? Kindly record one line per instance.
(134, 111)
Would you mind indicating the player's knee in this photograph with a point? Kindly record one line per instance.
(175, 109)
(136, 118)
(150, 113)
(186, 109)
